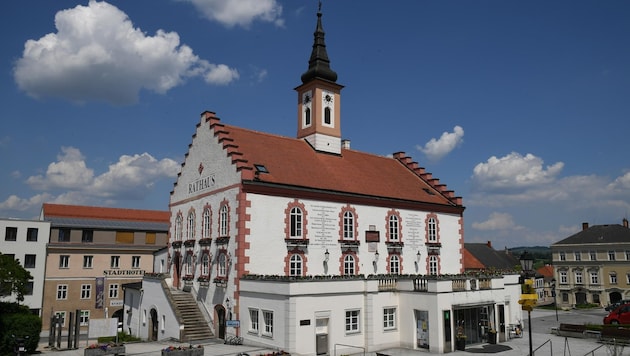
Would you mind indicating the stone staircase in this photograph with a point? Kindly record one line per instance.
(195, 325)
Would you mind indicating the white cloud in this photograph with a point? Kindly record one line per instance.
(15, 203)
(68, 172)
(97, 54)
(435, 149)
(132, 177)
(514, 171)
(497, 221)
(621, 183)
(240, 12)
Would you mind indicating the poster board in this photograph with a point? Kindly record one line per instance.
(102, 327)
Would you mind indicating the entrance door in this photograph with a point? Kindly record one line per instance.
(220, 311)
(422, 329)
(177, 269)
(580, 298)
(154, 325)
(321, 336)
(501, 329)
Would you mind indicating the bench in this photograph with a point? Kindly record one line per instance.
(572, 330)
(618, 335)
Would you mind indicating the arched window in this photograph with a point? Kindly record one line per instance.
(327, 119)
(205, 264)
(433, 265)
(307, 117)
(296, 223)
(222, 265)
(295, 265)
(188, 265)
(178, 227)
(393, 228)
(432, 230)
(223, 221)
(349, 268)
(190, 232)
(348, 225)
(206, 223)
(394, 264)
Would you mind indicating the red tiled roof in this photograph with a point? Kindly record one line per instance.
(471, 262)
(94, 212)
(294, 162)
(545, 271)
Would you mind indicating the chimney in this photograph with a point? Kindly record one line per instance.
(625, 223)
(345, 144)
(584, 226)
(489, 243)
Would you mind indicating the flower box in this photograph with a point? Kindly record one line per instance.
(104, 350)
(179, 351)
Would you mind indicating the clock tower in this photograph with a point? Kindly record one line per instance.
(319, 114)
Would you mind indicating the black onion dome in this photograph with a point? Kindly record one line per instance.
(319, 64)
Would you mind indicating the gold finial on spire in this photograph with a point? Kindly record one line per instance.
(319, 8)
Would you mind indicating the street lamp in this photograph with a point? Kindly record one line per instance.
(527, 263)
(553, 294)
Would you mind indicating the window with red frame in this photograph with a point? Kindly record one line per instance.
(349, 265)
(295, 265)
(206, 223)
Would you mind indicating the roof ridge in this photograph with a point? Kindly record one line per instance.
(104, 213)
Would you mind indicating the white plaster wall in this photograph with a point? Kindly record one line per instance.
(293, 302)
(153, 297)
(206, 151)
(268, 248)
(21, 247)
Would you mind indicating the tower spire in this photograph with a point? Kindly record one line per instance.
(319, 64)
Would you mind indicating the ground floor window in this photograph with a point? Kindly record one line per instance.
(389, 318)
(352, 321)
(84, 317)
(61, 317)
(476, 322)
(253, 321)
(268, 320)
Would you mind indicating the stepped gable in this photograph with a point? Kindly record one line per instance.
(292, 162)
(428, 177)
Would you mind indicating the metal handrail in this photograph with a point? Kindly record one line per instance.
(543, 344)
(356, 347)
(592, 352)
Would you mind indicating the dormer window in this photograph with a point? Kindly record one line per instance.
(261, 168)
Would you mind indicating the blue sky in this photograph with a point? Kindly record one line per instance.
(520, 107)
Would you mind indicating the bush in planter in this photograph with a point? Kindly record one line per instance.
(104, 349)
(189, 350)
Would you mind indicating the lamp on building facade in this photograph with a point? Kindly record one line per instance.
(528, 294)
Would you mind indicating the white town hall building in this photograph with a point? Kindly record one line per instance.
(305, 245)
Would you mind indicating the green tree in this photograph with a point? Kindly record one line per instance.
(13, 278)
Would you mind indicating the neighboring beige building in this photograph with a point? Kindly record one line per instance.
(92, 252)
(593, 265)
